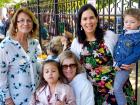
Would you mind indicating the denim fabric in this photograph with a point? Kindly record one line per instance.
(127, 49)
(120, 79)
(2, 30)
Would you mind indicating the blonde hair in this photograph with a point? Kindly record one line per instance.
(70, 55)
(13, 25)
(55, 45)
(134, 12)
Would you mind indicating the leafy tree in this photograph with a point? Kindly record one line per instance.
(100, 3)
(3, 2)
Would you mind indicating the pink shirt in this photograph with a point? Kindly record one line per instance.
(63, 92)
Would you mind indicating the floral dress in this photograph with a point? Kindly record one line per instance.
(98, 61)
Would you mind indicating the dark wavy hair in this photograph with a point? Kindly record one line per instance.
(81, 33)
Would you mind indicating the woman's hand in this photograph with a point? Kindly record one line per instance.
(127, 67)
(117, 68)
(9, 101)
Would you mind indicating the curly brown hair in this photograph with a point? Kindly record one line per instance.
(13, 25)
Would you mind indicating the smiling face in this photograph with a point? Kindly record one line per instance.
(69, 68)
(51, 73)
(131, 23)
(89, 21)
(24, 23)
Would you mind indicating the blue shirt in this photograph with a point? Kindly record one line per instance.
(127, 49)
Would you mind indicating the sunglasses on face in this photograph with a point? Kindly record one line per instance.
(72, 66)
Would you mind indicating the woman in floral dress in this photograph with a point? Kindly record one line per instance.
(94, 48)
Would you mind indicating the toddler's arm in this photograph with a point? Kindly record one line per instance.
(132, 58)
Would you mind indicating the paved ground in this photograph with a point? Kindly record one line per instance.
(132, 79)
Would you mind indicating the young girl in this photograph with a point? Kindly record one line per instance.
(51, 90)
(127, 51)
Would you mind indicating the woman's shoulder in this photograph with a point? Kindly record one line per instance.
(76, 47)
(81, 79)
(110, 34)
(110, 37)
(84, 78)
(75, 44)
(75, 40)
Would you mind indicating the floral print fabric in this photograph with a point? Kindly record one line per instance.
(18, 70)
(98, 62)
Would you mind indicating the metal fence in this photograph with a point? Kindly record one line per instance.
(57, 16)
(61, 16)
(112, 13)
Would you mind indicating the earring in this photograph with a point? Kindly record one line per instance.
(16, 30)
(81, 28)
(32, 31)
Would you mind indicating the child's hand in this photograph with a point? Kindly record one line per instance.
(117, 68)
(59, 103)
(127, 67)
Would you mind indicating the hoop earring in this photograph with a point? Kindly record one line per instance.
(81, 28)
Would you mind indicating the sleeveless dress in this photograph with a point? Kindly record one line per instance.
(98, 62)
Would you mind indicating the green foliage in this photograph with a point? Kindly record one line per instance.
(78, 3)
(69, 4)
(103, 3)
(3, 2)
(17, 5)
(136, 1)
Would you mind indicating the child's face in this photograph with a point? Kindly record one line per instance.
(50, 73)
(131, 23)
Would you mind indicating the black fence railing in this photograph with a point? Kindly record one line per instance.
(57, 16)
(61, 16)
